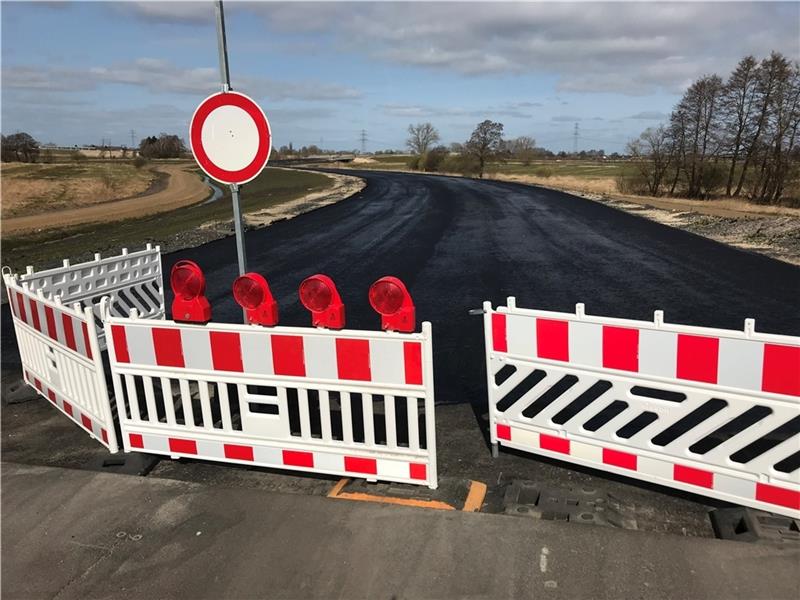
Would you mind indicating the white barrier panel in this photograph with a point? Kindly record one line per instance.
(133, 280)
(351, 403)
(61, 358)
(710, 411)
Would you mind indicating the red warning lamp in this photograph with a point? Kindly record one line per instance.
(391, 300)
(251, 292)
(318, 294)
(189, 285)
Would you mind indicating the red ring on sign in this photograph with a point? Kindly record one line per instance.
(208, 106)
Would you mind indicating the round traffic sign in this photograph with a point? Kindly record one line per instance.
(230, 137)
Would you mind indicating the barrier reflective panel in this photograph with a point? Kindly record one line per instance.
(132, 279)
(710, 411)
(342, 402)
(61, 358)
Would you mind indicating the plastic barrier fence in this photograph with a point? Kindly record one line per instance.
(710, 411)
(61, 358)
(132, 280)
(343, 402)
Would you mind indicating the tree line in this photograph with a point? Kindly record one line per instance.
(485, 144)
(736, 137)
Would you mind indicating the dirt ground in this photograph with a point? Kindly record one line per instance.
(182, 189)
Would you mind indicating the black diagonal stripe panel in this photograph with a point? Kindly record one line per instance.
(546, 399)
(690, 421)
(585, 399)
(733, 427)
(768, 442)
(522, 388)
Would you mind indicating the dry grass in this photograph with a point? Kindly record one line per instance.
(41, 188)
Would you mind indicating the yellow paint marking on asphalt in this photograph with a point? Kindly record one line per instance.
(474, 501)
(336, 492)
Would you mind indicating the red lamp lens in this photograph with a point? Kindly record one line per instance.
(186, 282)
(247, 292)
(386, 297)
(315, 294)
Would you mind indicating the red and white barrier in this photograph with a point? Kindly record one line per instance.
(715, 412)
(61, 358)
(362, 401)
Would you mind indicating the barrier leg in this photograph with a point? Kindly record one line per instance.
(495, 450)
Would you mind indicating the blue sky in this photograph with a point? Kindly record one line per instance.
(77, 73)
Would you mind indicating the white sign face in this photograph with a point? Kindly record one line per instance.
(230, 138)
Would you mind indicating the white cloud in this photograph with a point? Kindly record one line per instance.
(158, 76)
(628, 47)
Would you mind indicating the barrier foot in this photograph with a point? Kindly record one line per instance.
(495, 450)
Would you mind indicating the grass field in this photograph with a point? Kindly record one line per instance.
(29, 189)
(272, 187)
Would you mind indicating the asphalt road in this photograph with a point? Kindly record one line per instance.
(457, 242)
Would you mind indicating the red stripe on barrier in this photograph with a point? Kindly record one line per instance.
(553, 443)
(352, 359)
(87, 422)
(621, 348)
(499, 338)
(68, 408)
(697, 358)
(781, 370)
(237, 452)
(552, 339)
(69, 331)
(778, 495)
(182, 446)
(120, 340)
(52, 396)
(23, 315)
(412, 357)
(86, 343)
(693, 476)
(620, 459)
(355, 464)
(104, 435)
(504, 432)
(295, 458)
(34, 306)
(417, 471)
(226, 351)
(287, 355)
(168, 347)
(37, 384)
(50, 317)
(136, 440)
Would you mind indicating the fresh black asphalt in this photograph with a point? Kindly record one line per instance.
(457, 242)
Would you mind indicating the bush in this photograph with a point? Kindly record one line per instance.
(632, 183)
(414, 162)
(139, 162)
(78, 156)
(433, 160)
(465, 164)
(545, 172)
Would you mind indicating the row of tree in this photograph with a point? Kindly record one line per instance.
(472, 157)
(163, 146)
(734, 137)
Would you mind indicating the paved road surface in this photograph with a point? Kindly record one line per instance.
(457, 242)
(73, 534)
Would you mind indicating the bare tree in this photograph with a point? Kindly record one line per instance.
(421, 137)
(652, 154)
(19, 147)
(524, 148)
(485, 142)
(738, 101)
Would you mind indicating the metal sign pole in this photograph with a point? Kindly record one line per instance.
(226, 86)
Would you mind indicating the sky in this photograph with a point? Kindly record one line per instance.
(84, 72)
